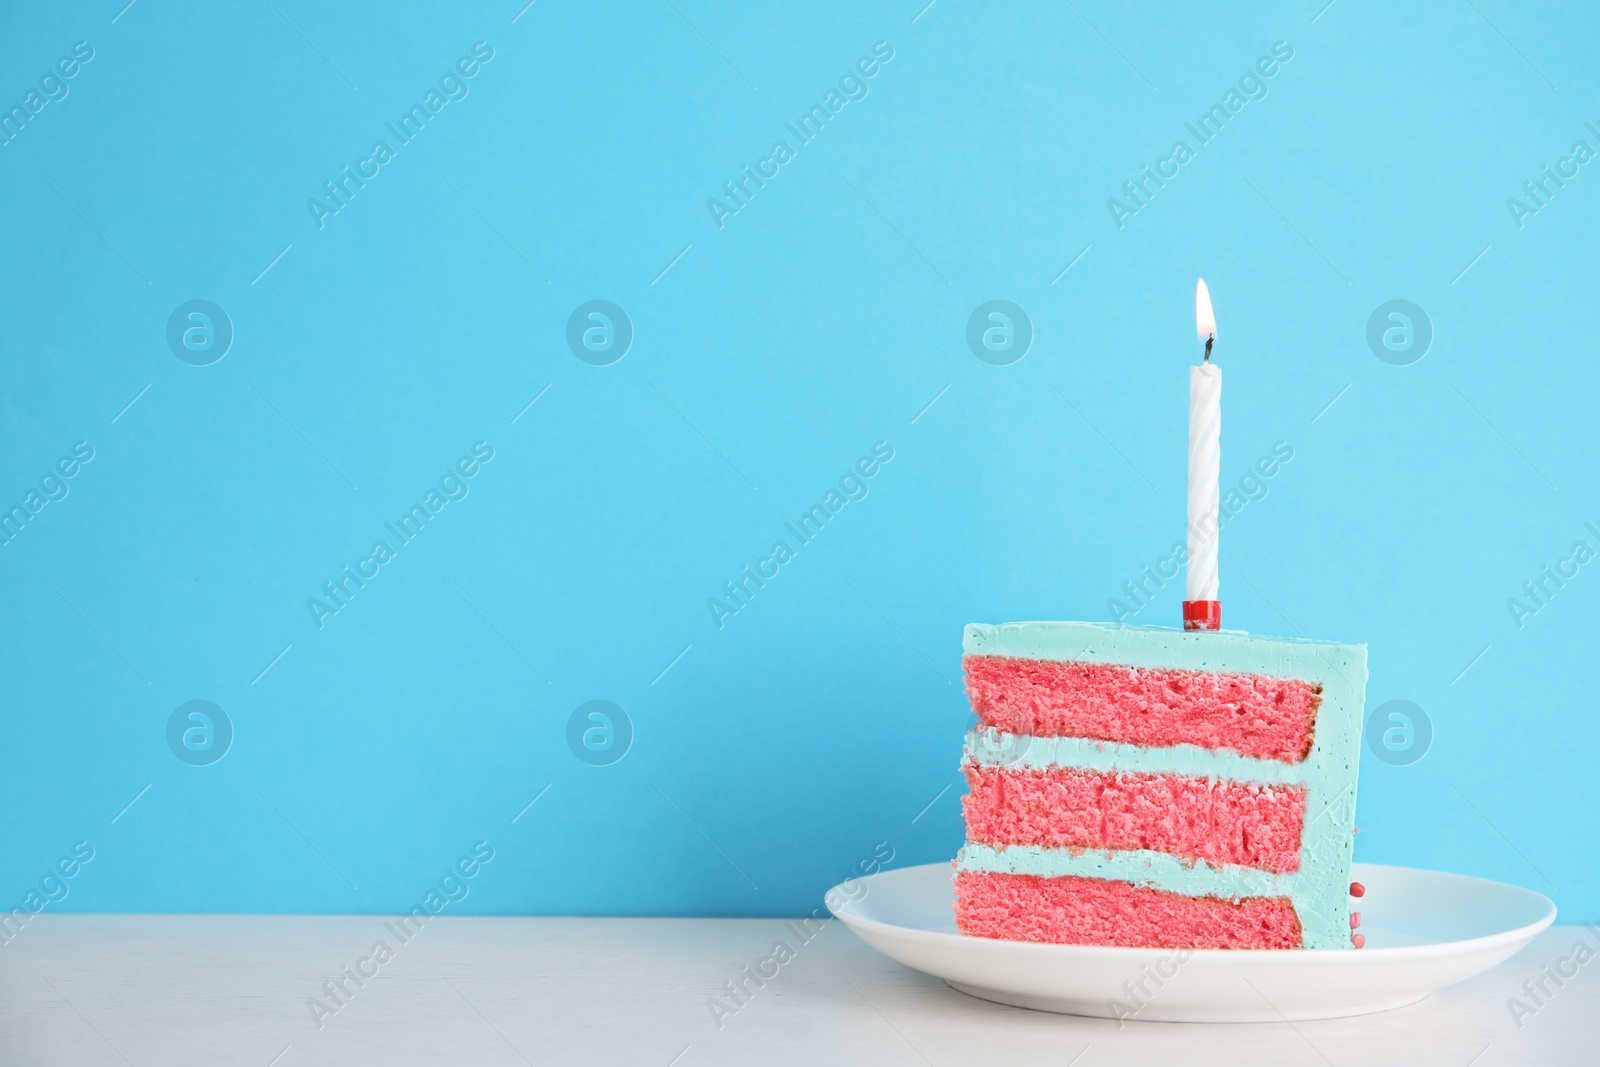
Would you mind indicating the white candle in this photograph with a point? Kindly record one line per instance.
(1205, 458)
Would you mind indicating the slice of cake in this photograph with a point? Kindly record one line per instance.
(1135, 785)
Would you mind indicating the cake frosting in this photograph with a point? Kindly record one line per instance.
(1136, 785)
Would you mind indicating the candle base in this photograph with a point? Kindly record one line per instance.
(1202, 614)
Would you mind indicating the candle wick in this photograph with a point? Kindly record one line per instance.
(1209, 339)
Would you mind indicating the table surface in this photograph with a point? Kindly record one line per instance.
(168, 991)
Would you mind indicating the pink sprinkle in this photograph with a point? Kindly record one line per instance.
(1357, 940)
(1357, 889)
(1355, 919)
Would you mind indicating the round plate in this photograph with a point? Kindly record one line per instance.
(1424, 930)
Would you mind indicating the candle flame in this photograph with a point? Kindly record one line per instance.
(1205, 323)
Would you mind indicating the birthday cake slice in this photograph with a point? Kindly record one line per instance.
(1142, 786)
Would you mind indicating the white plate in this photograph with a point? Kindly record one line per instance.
(1424, 930)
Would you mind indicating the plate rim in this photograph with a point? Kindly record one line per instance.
(1278, 956)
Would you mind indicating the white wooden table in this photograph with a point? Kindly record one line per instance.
(170, 991)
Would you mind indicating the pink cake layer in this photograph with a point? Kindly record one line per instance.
(1093, 911)
(1267, 718)
(1198, 818)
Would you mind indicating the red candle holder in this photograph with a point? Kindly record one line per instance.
(1202, 614)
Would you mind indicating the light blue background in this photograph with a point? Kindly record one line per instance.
(826, 716)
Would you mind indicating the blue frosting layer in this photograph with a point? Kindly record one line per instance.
(1158, 870)
(995, 748)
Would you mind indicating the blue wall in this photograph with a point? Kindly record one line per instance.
(772, 349)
